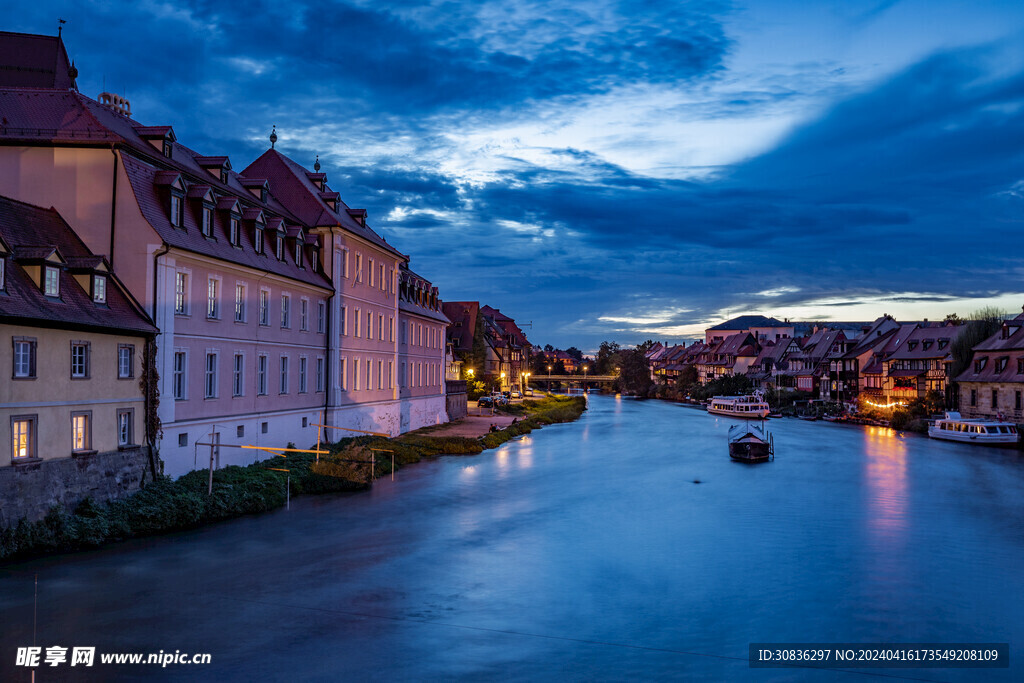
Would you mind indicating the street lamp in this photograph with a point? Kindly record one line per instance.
(501, 386)
(549, 379)
(585, 368)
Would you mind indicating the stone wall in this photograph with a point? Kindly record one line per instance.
(29, 490)
(457, 398)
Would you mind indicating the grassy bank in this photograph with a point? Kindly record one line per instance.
(164, 506)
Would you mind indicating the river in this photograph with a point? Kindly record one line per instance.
(582, 551)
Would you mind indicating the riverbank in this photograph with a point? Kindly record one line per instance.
(164, 505)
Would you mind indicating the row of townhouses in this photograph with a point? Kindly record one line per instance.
(485, 331)
(883, 363)
(155, 297)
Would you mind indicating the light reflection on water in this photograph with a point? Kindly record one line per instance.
(585, 551)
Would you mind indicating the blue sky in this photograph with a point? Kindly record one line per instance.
(619, 170)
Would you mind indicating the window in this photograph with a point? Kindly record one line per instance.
(320, 376)
(321, 317)
(125, 423)
(369, 374)
(1020, 366)
(286, 314)
(380, 327)
(391, 374)
(211, 376)
(181, 293)
(371, 272)
(369, 324)
(302, 375)
(177, 213)
(212, 307)
(81, 437)
(279, 247)
(355, 374)
(51, 282)
(207, 221)
(99, 289)
(79, 360)
(357, 322)
(239, 303)
(1016, 400)
(995, 398)
(178, 376)
(23, 436)
(234, 235)
(342, 375)
(343, 328)
(391, 328)
(183, 439)
(24, 358)
(405, 332)
(380, 374)
(264, 307)
(168, 148)
(298, 251)
(284, 374)
(261, 376)
(258, 236)
(359, 267)
(304, 315)
(237, 378)
(3, 263)
(974, 397)
(382, 285)
(344, 264)
(125, 361)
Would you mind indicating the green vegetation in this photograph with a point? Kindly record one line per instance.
(164, 506)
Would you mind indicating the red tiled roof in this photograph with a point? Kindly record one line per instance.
(34, 61)
(24, 303)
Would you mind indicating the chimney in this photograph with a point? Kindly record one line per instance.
(116, 103)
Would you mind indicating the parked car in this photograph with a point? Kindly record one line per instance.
(485, 402)
(527, 391)
(515, 393)
(499, 398)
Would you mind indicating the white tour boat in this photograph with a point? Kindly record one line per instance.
(955, 428)
(747, 407)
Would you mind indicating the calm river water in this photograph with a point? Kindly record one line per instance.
(583, 551)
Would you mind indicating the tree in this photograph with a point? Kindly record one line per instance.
(634, 373)
(604, 363)
(575, 353)
(549, 348)
(646, 346)
(981, 325)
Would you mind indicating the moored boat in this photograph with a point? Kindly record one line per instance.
(750, 443)
(747, 407)
(953, 427)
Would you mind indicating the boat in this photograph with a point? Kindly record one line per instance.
(810, 417)
(953, 427)
(750, 443)
(748, 407)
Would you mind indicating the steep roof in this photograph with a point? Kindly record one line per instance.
(292, 184)
(23, 302)
(34, 61)
(464, 312)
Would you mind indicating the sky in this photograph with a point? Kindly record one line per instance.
(621, 171)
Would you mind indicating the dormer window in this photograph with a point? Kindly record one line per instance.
(234, 235)
(279, 247)
(298, 253)
(3, 273)
(912, 345)
(168, 148)
(263, 194)
(314, 260)
(979, 364)
(224, 175)
(51, 281)
(207, 212)
(99, 289)
(259, 239)
(943, 343)
(177, 210)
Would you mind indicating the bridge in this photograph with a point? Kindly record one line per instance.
(573, 379)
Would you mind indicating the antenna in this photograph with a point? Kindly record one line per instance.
(60, 27)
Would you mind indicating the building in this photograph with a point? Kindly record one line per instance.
(992, 385)
(74, 412)
(760, 327)
(277, 305)
(491, 345)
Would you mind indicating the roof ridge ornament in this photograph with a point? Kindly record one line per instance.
(316, 164)
(273, 136)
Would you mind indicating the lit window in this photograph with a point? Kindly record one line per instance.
(239, 303)
(286, 316)
(124, 427)
(237, 383)
(125, 361)
(284, 374)
(99, 289)
(51, 282)
(181, 293)
(79, 360)
(178, 376)
(23, 433)
(80, 437)
(24, 358)
(212, 306)
(211, 376)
